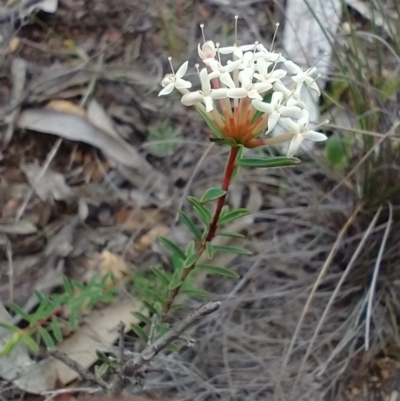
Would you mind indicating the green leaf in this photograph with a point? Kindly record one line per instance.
(225, 141)
(214, 127)
(201, 210)
(143, 318)
(335, 149)
(150, 307)
(273, 162)
(233, 215)
(190, 225)
(212, 194)
(67, 286)
(190, 249)
(190, 261)
(228, 234)
(55, 327)
(19, 311)
(209, 250)
(46, 337)
(221, 271)
(102, 370)
(30, 342)
(172, 247)
(158, 308)
(139, 332)
(160, 275)
(172, 347)
(10, 327)
(232, 249)
(174, 284)
(193, 292)
(73, 320)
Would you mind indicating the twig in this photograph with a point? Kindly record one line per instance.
(10, 269)
(78, 368)
(132, 366)
(55, 393)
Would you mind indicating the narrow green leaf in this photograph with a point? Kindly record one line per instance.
(143, 318)
(30, 342)
(221, 271)
(214, 127)
(15, 340)
(233, 215)
(174, 284)
(10, 327)
(158, 308)
(73, 320)
(232, 249)
(273, 162)
(55, 327)
(160, 275)
(190, 225)
(228, 234)
(102, 370)
(139, 332)
(190, 249)
(19, 311)
(225, 141)
(172, 247)
(150, 307)
(212, 194)
(190, 261)
(192, 292)
(102, 356)
(201, 210)
(209, 250)
(67, 286)
(46, 337)
(335, 149)
(172, 347)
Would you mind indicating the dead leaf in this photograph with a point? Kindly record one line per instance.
(150, 237)
(111, 263)
(76, 128)
(14, 44)
(51, 185)
(66, 107)
(100, 119)
(22, 227)
(136, 220)
(98, 333)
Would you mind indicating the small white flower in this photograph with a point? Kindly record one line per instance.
(172, 81)
(223, 72)
(248, 88)
(237, 51)
(300, 131)
(292, 97)
(264, 76)
(207, 52)
(270, 56)
(302, 77)
(206, 94)
(275, 109)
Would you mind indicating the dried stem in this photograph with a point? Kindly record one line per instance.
(229, 170)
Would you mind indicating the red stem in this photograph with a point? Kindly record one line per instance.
(229, 169)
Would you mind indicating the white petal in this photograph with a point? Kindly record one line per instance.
(182, 84)
(237, 93)
(315, 136)
(290, 125)
(214, 74)
(290, 111)
(245, 78)
(262, 106)
(232, 65)
(279, 86)
(304, 118)
(292, 67)
(182, 70)
(167, 90)
(215, 65)
(295, 144)
(276, 98)
(273, 120)
(313, 85)
(205, 80)
(227, 50)
(253, 94)
(208, 103)
(169, 78)
(262, 87)
(227, 80)
(246, 48)
(200, 52)
(189, 99)
(300, 77)
(259, 77)
(262, 66)
(220, 93)
(277, 74)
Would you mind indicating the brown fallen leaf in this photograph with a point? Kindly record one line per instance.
(111, 263)
(66, 107)
(148, 239)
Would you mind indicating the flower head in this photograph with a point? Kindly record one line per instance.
(244, 94)
(300, 131)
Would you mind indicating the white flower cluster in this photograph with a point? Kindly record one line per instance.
(233, 91)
